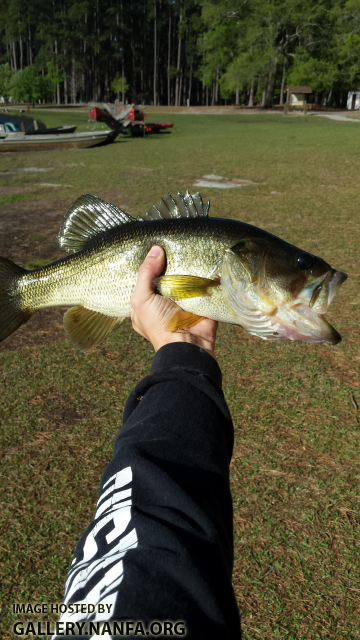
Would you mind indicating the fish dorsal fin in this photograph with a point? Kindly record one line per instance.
(88, 217)
(187, 206)
(87, 329)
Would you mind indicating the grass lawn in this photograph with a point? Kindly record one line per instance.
(296, 467)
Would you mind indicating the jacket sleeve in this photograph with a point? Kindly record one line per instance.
(161, 543)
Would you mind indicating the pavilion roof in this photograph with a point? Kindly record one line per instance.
(294, 89)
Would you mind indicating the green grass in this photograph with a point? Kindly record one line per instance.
(39, 262)
(37, 236)
(295, 472)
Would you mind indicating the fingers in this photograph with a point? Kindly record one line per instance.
(150, 269)
(150, 312)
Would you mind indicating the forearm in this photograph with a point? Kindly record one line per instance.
(163, 525)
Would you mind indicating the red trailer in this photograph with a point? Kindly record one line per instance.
(117, 117)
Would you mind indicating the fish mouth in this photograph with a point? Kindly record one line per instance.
(299, 322)
(319, 293)
(302, 320)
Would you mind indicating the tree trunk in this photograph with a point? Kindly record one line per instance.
(282, 89)
(287, 103)
(85, 73)
(57, 85)
(251, 95)
(30, 49)
(65, 87)
(91, 76)
(177, 89)
(143, 92)
(161, 90)
(263, 97)
(65, 81)
(21, 48)
(73, 89)
(169, 57)
(8, 51)
(217, 86)
(8, 54)
(14, 53)
(155, 55)
(123, 53)
(237, 95)
(173, 63)
(180, 88)
(98, 83)
(85, 69)
(133, 62)
(268, 101)
(190, 79)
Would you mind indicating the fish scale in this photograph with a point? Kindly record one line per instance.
(222, 269)
(102, 276)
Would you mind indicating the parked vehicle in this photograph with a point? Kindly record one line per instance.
(128, 117)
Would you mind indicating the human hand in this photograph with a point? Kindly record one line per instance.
(151, 312)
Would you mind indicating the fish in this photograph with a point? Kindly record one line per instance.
(217, 268)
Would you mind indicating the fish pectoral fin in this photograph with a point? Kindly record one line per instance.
(185, 286)
(182, 320)
(87, 329)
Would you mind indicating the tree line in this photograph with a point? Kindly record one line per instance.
(178, 52)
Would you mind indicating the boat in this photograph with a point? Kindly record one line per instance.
(53, 131)
(14, 124)
(20, 141)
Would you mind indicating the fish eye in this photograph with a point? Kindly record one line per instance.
(305, 261)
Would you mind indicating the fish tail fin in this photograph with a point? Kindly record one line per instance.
(12, 312)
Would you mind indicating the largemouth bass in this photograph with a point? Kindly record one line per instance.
(216, 268)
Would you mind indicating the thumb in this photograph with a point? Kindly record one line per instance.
(150, 269)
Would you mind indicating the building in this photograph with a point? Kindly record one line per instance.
(353, 101)
(296, 98)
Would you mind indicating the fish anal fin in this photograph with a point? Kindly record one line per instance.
(185, 286)
(182, 320)
(86, 329)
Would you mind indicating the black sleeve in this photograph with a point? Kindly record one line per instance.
(161, 543)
